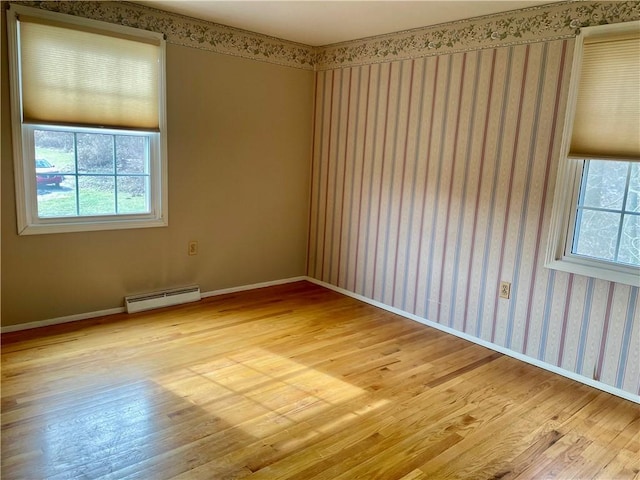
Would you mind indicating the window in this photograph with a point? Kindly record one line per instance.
(607, 225)
(595, 229)
(95, 173)
(88, 120)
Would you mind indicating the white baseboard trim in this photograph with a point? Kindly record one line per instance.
(59, 320)
(112, 311)
(253, 286)
(517, 355)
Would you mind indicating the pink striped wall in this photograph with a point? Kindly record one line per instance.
(433, 181)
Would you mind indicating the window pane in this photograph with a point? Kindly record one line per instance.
(54, 152)
(131, 154)
(55, 148)
(95, 153)
(597, 234)
(633, 197)
(630, 240)
(92, 190)
(605, 184)
(97, 195)
(58, 201)
(133, 193)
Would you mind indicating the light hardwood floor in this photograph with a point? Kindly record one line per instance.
(294, 382)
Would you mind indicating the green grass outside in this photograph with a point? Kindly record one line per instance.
(94, 200)
(54, 202)
(63, 160)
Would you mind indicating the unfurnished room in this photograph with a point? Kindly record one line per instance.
(381, 240)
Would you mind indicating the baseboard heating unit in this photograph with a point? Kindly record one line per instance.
(165, 298)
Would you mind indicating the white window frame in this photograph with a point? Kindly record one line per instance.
(558, 254)
(24, 147)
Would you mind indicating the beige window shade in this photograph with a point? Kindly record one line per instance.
(80, 77)
(607, 116)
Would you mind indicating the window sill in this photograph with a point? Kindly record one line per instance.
(596, 269)
(119, 224)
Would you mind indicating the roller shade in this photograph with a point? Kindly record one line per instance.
(76, 76)
(607, 116)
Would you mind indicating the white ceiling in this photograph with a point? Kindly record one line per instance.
(317, 23)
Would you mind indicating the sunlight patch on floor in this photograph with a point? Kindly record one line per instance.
(262, 392)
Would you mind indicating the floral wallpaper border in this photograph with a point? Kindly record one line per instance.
(546, 22)
(533, 24)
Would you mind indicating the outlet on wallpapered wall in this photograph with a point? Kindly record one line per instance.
(505, 290)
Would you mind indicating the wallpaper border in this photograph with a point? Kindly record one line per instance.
(528, 25)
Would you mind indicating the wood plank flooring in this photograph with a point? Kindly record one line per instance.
(294, 382)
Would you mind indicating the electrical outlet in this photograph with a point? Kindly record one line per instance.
(193, 247)
(505, 289)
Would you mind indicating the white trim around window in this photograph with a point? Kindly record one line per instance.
(559, 254)
(24, 149)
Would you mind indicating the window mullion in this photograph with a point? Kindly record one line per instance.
(115, 173)
(600, 209)
(583, 182)
(622, 214)
(579, 204)
(77, 177)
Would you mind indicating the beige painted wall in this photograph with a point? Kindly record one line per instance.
(239, 148)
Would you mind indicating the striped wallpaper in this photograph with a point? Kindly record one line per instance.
(433, 181)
